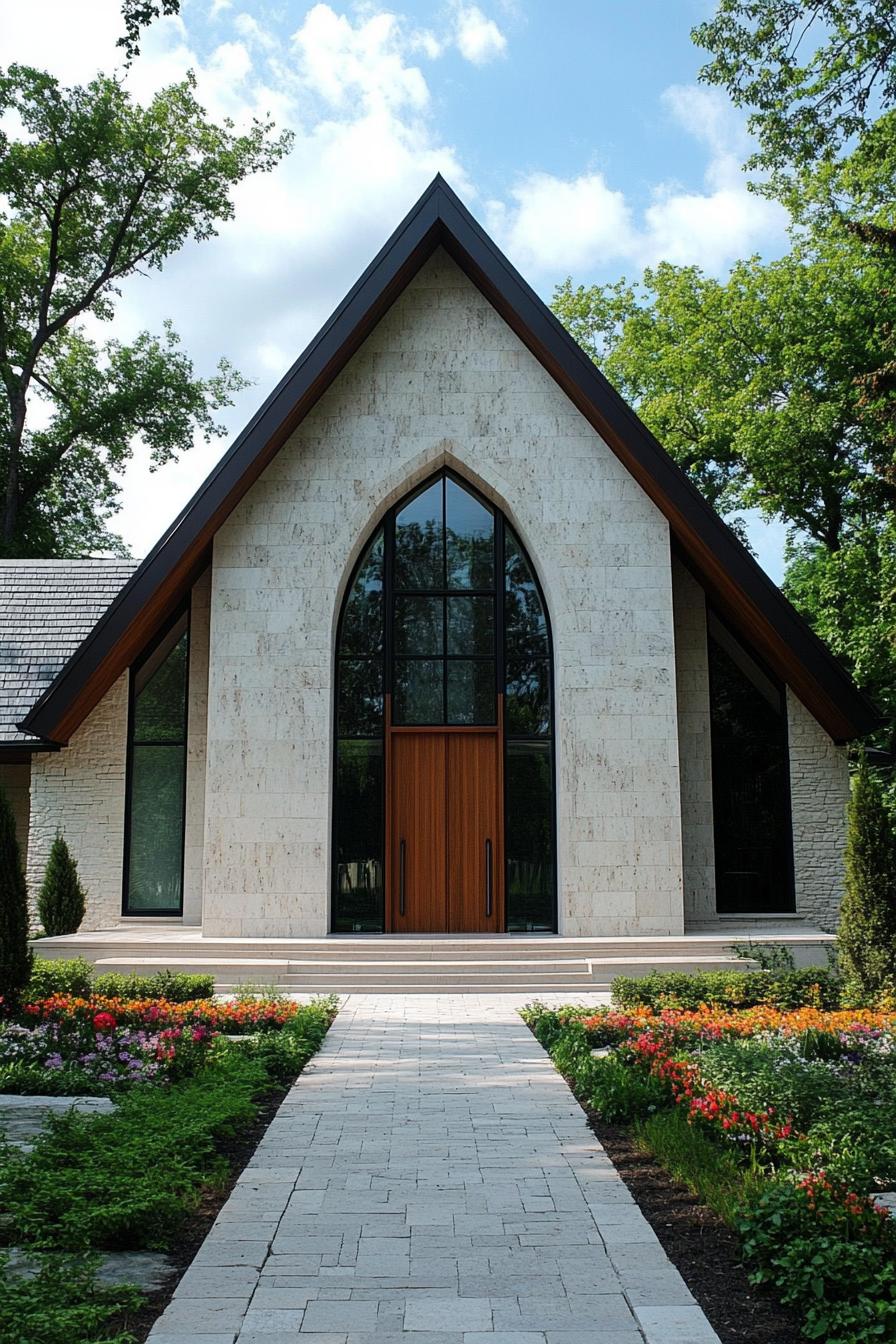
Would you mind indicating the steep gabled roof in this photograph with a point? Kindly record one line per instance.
(734, 580)
(47, 607)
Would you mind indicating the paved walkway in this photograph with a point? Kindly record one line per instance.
(431, 1180)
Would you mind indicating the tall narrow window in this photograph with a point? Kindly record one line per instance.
(529, 760)
(443, 647)
(156, 784)
(358, 795)
(750, 781)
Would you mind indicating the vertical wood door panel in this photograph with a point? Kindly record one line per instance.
(475, 854)
(418, 805)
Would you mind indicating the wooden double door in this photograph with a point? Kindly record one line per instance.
(446, 831)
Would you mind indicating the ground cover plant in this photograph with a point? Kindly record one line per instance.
(188, 1079)
(781, 1119)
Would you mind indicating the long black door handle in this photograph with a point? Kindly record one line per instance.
(401, 878)
(488, 879)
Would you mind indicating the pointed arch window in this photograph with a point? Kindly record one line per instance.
(443, 627)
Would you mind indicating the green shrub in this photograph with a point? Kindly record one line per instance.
(175, 986)
(866, 939)
(610, 1087)
(129, 1179)
(62, 1303)
(61, 902)
(72, 976)
(712, 1173)
(767, 956)
(836, 1268)
(816, 986)
(15, 953)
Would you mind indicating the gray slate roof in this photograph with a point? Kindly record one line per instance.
(47, 607)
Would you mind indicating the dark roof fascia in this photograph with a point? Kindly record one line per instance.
(439, 217)
(415, 239)
(663, 479)
(20, 753)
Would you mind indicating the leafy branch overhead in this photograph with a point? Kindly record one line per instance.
(96, 189)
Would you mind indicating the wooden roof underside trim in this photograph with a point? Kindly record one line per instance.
(732, 577)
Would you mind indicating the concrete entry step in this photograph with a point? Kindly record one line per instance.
(406, 964)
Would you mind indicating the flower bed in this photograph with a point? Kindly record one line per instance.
(64, 1044)
(805, 1101)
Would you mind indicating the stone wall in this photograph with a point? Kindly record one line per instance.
(442, 381)
(80, 791)
(694, 745)
(819, 793)
(15, 781)
(197, 723)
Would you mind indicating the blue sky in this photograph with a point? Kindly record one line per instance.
(576, 132)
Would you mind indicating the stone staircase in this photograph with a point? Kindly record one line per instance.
(419, 964)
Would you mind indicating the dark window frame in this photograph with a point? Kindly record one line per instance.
(387, 658)
(168, 912)
(711, 613)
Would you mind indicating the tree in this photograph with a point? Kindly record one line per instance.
(819, 83)
(866, 939)
(16, 957)
(61, 901)
(137, 15)
(98, 188)
(750, 383)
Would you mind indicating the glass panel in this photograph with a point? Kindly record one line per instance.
(750, 788)
(528, 698)
(525, 625)
(469, 534)
(419, 624)
(471, 625)
(362, 621)
(155, 865)
(360, 697)
(529, 838)
(358, 817)
(160, 702)
(419, 542)
(417, 692)
(471, 692)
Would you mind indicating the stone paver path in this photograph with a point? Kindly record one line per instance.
(431, 1180)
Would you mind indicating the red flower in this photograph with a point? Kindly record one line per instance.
(104, 1021)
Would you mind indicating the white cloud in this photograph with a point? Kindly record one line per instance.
(575, 224)
(352, 87)
(478, 38)
(558, 225)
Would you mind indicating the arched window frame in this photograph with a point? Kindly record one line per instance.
(386, 529)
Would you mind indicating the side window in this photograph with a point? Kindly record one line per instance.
(156, 784)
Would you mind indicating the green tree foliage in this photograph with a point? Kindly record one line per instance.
(866, 940)
(819, 83)
(750, 382)
(95, 188)
(61, 901)
(137, 15)
(15, 954)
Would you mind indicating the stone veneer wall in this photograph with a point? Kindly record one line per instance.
(819, 793)
(197, 726)
(694, 744)
(80, 791)
(442, 381)
(15, 781)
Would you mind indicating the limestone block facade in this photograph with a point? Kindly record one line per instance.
(442, 380)
(819, 793)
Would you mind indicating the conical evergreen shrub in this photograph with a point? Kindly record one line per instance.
(15, 953)
(866, 939)
(61, 901)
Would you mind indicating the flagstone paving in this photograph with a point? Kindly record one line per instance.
(431, 1180)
